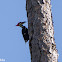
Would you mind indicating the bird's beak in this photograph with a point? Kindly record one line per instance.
(17, 25)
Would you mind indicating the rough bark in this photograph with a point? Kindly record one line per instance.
(41, 32)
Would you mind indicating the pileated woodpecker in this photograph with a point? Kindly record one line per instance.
(24, 31)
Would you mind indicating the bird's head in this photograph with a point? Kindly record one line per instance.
(20, 24)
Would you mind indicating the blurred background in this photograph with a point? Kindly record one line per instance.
(12, 44)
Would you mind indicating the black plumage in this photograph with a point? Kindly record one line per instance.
(25, 33)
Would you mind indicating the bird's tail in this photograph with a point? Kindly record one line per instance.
(25, 41)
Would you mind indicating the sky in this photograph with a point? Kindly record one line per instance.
(12, 45)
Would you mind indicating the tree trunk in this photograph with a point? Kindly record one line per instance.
(41, 32)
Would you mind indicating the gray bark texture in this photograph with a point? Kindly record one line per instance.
(41, 31)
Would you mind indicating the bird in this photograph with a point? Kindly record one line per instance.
(24, 31)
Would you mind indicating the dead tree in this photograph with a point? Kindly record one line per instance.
(41, 31)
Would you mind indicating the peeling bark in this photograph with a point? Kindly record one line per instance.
(41, 31)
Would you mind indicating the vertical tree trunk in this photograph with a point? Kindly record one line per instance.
(41, 32)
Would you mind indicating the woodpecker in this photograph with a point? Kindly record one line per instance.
(24, 31)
